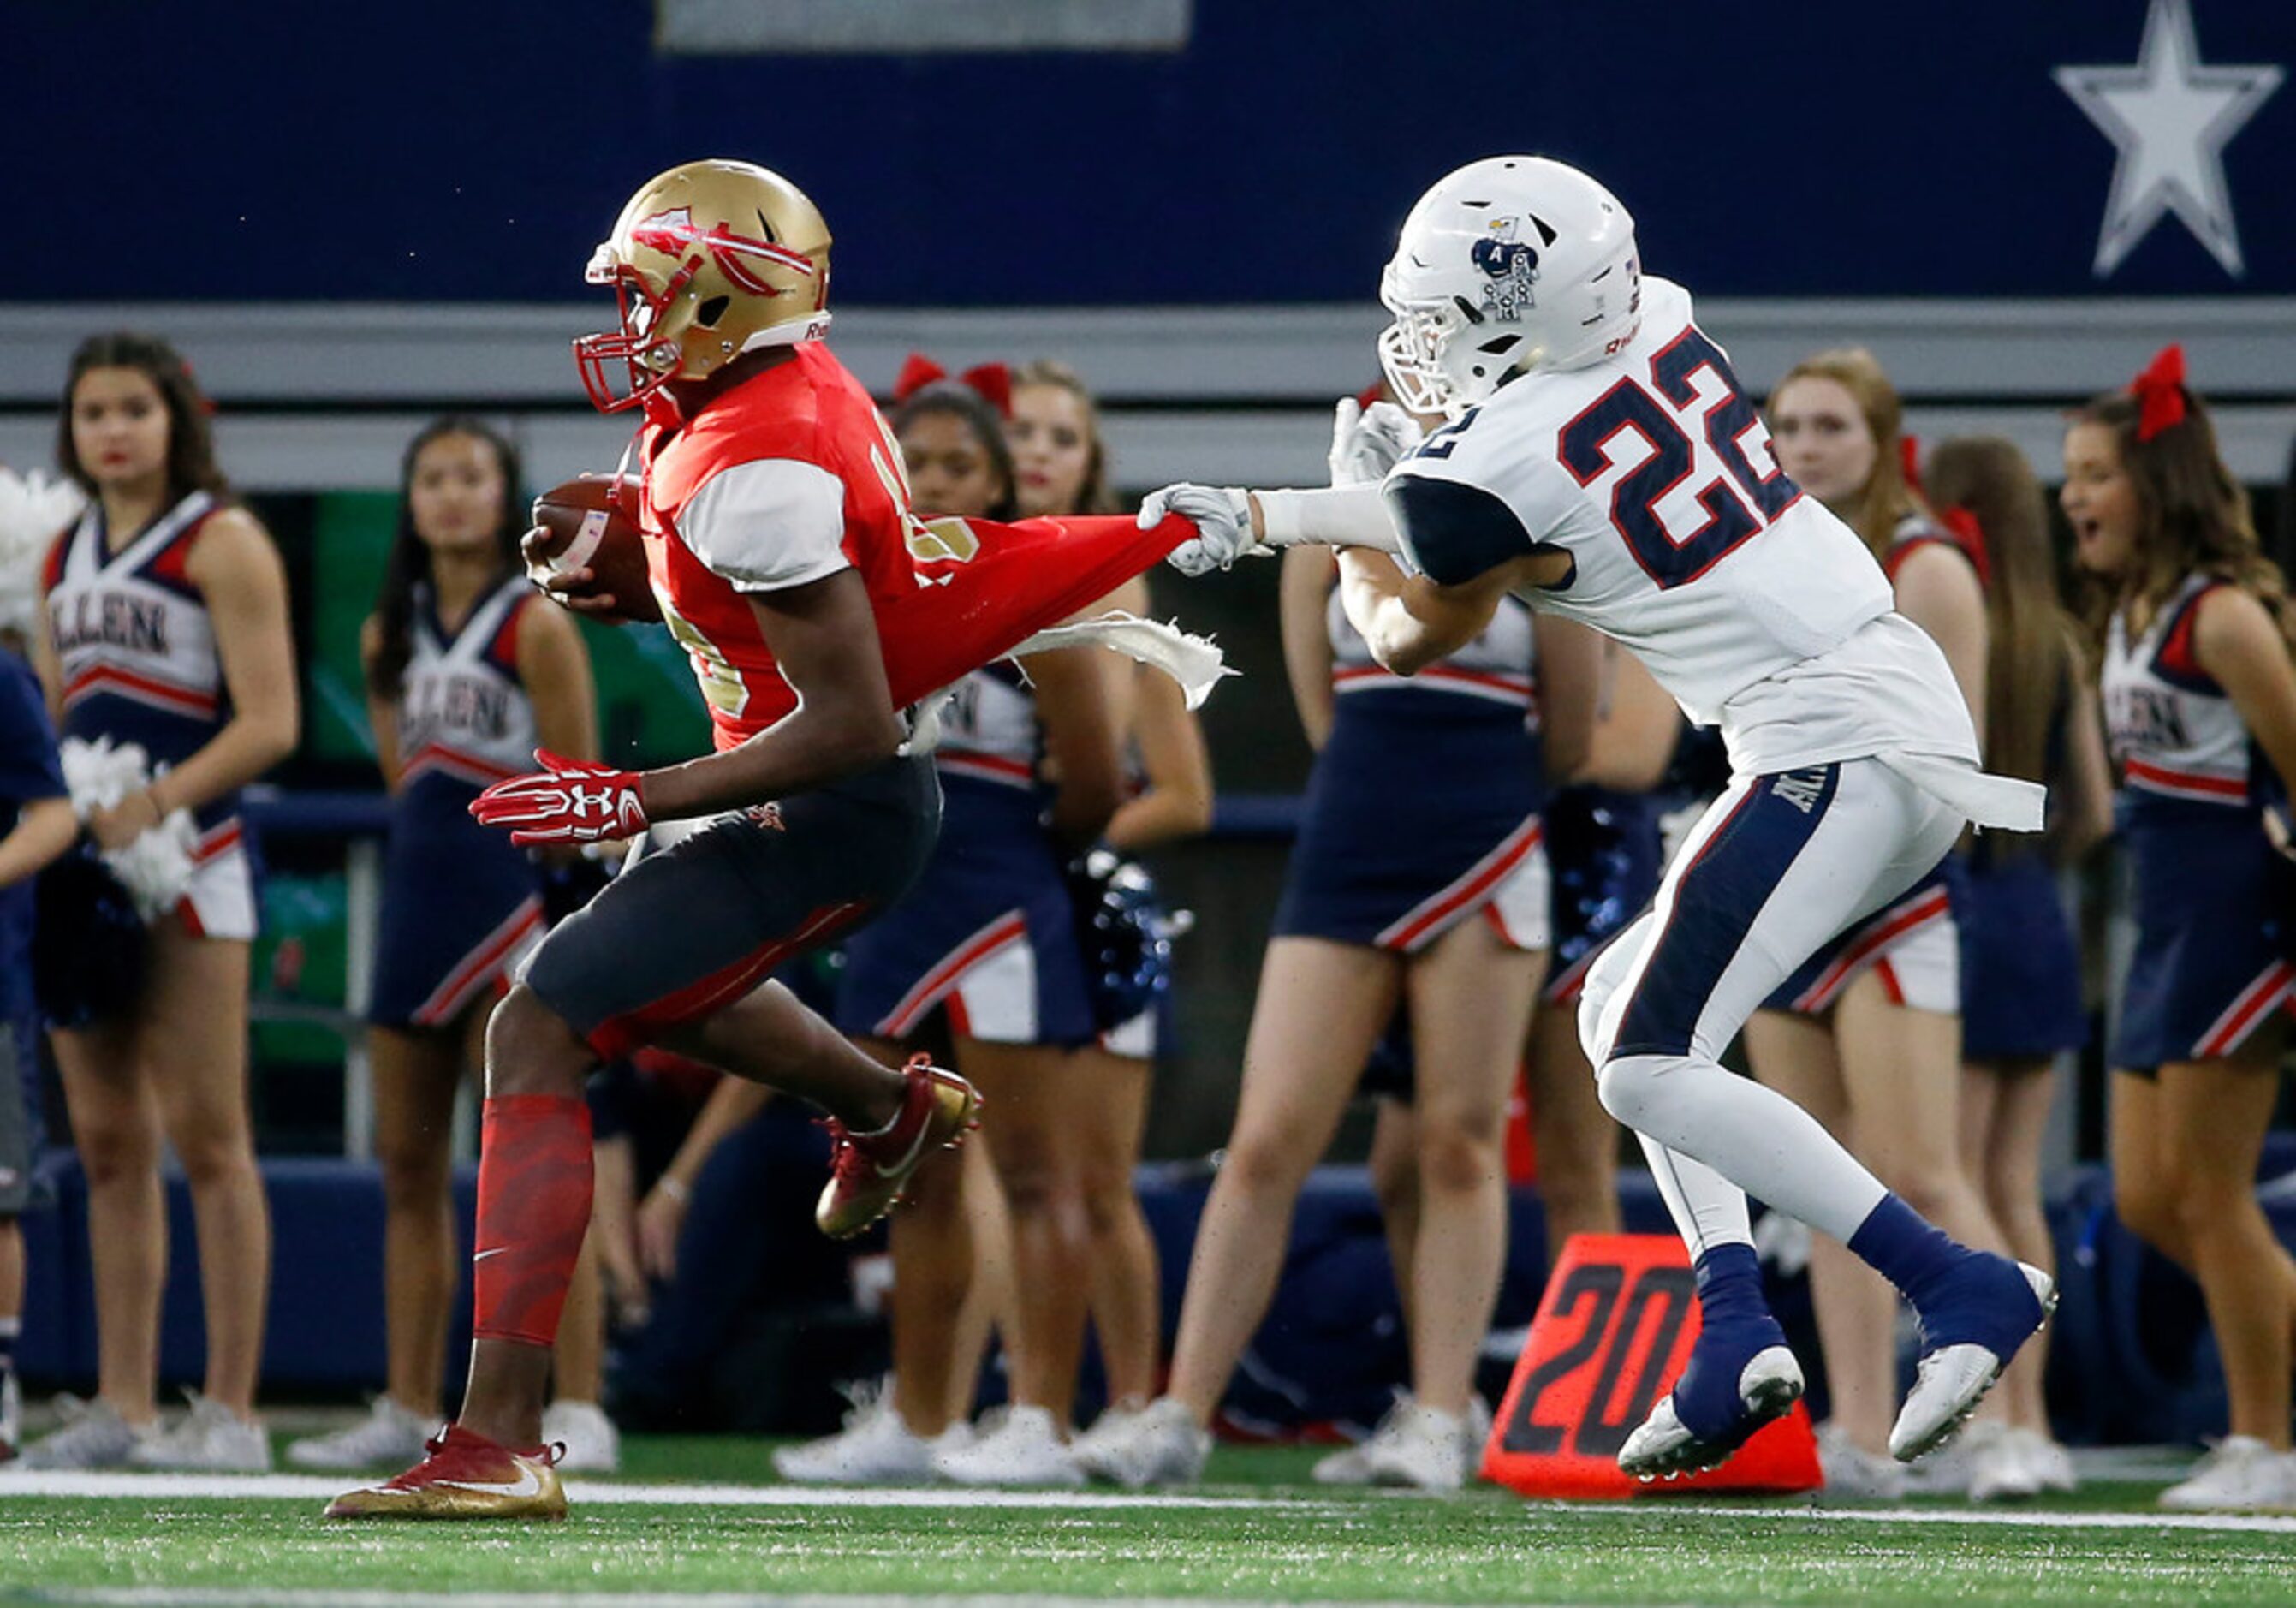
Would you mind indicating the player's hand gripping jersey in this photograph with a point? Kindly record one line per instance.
(1749, 601)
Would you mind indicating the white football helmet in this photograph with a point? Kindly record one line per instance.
(1507, 264)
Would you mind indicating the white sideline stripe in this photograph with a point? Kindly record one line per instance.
(2250, 1523)
(316, 1487)
(169, 1596)
(144, 1487)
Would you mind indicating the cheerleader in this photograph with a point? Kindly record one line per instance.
(2020, 991)
(1062, 464)
(466, 676)
(166, 610)
(984, 947)
(2200, 706)
(36, 828)
(1867, 1036)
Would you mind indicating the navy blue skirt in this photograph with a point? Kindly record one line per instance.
(2020, 996)
(1422, 811)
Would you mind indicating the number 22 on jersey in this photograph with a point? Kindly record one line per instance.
(1694, 489)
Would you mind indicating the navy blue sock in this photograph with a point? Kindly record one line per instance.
(1735, 1323)
(1730, 1287)
(1903, 1249)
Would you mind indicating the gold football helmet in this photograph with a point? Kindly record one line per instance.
(708, 261)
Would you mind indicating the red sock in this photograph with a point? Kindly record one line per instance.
(534, 1208)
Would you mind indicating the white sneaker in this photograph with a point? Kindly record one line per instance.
(1425, 1448)
(93, 1435)
(1852, 1472)
(388, 1437)
(1162, 1445)
(1114, 1423)
(1351, 1464)
(12, 1415)
(875, 1447)
(1025, 1449)
(590, 1443)
(2050, 1464)
(2241, 1475)
(1999, 1469)
(211, 1438)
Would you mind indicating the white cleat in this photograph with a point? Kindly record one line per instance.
(1025, 1449)
(1664, 1448)
(388, 1437)
(875, 1447)
(1162, 1445)
(1950, 1380)
(588, 1441)
(211, 1438)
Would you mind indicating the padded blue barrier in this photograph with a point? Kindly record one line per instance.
(324, 1332)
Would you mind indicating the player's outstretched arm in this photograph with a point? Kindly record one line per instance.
(1409, 621)
(1232, 523)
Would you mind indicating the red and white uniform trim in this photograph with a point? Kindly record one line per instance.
(493, 961)
(987, 984)
(1510, 883)
(2273, 990)
(1911, 947)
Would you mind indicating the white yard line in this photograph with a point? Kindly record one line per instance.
(607, 1493)
(316, 1487)
(167, 1597)
(2009, 1517)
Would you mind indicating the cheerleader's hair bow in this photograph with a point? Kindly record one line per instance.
(993, 382)
(2161, 400)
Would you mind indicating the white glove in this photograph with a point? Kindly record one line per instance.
(1222, 517)
(1366, 442)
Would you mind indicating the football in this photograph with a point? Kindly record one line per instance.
(590, 522)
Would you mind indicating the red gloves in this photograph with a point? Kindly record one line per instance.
(568, 801)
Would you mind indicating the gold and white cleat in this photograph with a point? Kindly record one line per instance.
(465, 1476)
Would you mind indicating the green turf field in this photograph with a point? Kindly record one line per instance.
(701, 1517)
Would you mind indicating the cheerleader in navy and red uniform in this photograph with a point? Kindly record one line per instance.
(2021, 986)
(468, 672)
(1867, 1036)
(167, 627)
(1062, 465)
(2199, 704)
(1419, 876)
(983, 947)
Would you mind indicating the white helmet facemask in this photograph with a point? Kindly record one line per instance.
(1509, 265)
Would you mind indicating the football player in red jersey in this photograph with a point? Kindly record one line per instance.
(786, 562)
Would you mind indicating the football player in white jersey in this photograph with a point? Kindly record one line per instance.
(1601, 462)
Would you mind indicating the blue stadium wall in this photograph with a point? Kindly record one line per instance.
(432, 150)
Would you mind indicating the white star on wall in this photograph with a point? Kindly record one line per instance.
(2170, 118)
